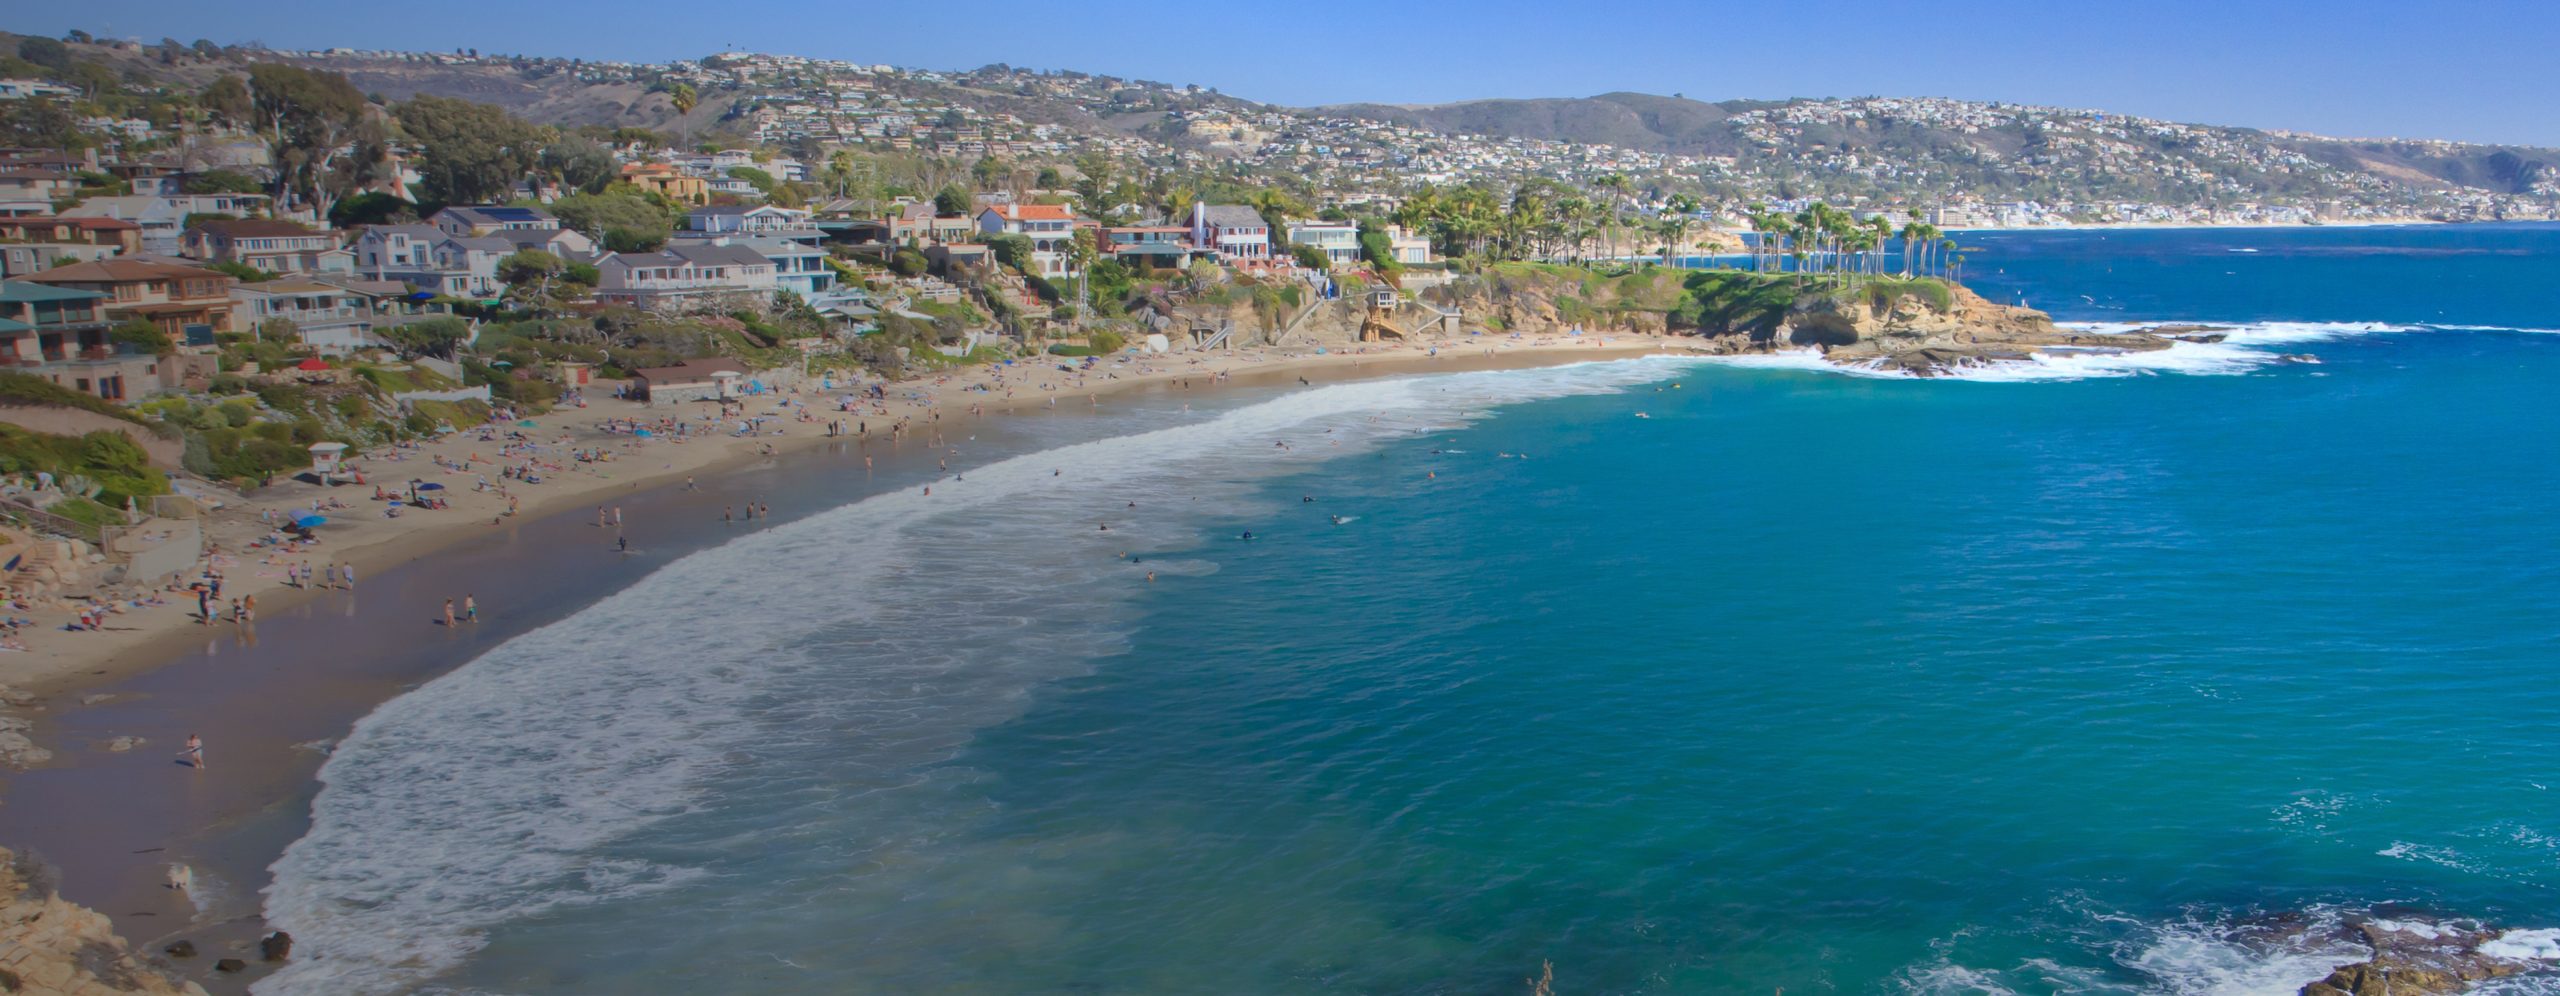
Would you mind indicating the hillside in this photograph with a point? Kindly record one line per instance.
(1627, 120)
(1956, 134)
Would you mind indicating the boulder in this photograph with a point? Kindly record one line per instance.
(277, 946)
(180, 949)
(230, 965)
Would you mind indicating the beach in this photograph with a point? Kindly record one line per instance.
(268, 697)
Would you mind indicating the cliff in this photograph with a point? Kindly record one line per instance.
(49, 947)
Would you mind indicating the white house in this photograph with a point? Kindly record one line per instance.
(747, 219)
(427, 258)
(1338, 240)
(1050, 227)
(1233, 230)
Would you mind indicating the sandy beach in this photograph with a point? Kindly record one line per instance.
(269, 696)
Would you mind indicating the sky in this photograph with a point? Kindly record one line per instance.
(2466, 70)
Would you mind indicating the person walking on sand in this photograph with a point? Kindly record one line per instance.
(448, 613)
(347, 573)
(470, 608)
(194, 754)
(249, 608)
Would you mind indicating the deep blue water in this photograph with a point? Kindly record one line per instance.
(1804, 680)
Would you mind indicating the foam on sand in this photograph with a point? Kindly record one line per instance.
(512, 786)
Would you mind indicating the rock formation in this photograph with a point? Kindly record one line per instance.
(49, 947)
(2416, 958)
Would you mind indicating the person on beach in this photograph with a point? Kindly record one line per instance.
(470, 608)
(194, 754)
(728, 513)
(448, 613)
(204, 605)
(347, 573)
(249, 608)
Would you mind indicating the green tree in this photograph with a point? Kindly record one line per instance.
(951, 200)
(436, 337)
(54, 56)
(143, 336)
(578, 164)
(227, 101)
(370, 209)
(617, 209)
(474, 153)
(222, 181)
(310, 119)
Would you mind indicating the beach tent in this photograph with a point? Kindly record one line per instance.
(526, 423)
(645, 434)
(308, 521)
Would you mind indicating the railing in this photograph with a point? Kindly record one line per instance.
(40, 520)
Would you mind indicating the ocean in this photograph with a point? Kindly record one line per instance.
(1683, 676)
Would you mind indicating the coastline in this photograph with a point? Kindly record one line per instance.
(269, 696)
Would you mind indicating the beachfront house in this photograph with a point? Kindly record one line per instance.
(60, 334)
(1050, 227)
(1338, 240)
(683, 271)
(1233, 231)
(188, 303)
(428, 258)
(327, 317)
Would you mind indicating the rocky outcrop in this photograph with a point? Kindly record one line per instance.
(1905, 333)
(2418, 958)
(49, 947)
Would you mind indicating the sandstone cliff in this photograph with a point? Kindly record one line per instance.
(49, 947)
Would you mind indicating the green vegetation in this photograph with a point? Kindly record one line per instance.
(29, 389)
(106, 458)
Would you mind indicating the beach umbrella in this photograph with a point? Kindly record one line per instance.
(308, 521)
(644, 434)
(527, 423)
(313, 363)
(431, 486)
(503, 363)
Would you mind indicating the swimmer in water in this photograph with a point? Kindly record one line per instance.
(1337, 520)
(1248, 534)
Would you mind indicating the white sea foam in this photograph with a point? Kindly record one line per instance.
(2212, 957)
(2524, 945)
(500, 791)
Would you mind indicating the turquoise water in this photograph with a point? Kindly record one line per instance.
(2059, 679)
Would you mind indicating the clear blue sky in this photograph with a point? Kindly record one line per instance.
(2474, 70)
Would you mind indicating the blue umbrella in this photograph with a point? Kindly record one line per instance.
(430, 486)
(308, 521)
(644, 434)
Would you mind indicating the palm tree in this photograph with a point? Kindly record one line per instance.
(1615, 184)
(684, 99)
(1678, 215)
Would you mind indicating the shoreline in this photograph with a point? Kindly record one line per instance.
(268, 696)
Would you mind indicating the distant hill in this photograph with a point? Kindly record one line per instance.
(1628, 120)
(1692, 127)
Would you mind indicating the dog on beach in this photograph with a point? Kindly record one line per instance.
(182, 878)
